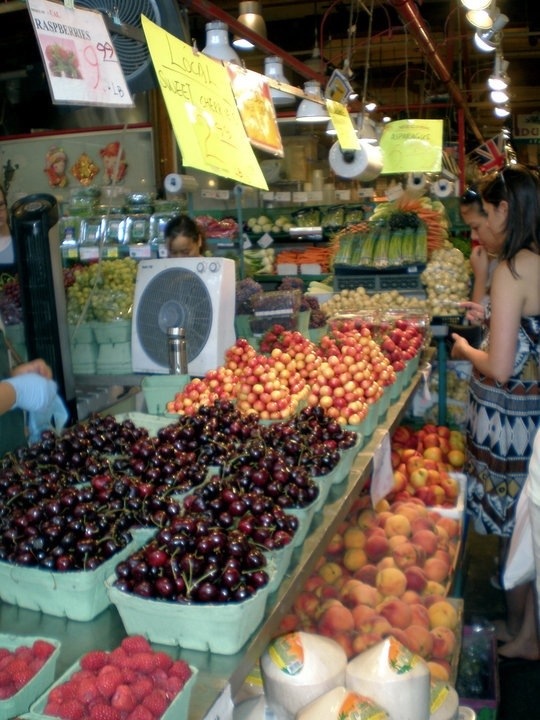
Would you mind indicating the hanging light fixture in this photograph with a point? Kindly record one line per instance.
(499, 79)
(217, 43)
(312, 111)
(250, 15)
(501, 111)
(481, 19)
(476, 4)
(273, 69)
(499, 97)
(366, 129)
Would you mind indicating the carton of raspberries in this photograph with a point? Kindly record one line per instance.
(27, 668)
(131, 682)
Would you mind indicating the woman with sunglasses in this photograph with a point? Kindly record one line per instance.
(482, 263)
(504, 400)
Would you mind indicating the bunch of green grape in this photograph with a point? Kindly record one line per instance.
(103, 291)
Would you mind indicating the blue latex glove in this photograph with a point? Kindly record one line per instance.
(32, 391)
(53, 417)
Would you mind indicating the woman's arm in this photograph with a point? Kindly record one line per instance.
(507, 298)
(44, 384)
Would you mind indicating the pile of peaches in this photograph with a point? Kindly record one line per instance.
(387, 571)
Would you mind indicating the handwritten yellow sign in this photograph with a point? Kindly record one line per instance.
(412, 146)
(343, 125)
(202, 109)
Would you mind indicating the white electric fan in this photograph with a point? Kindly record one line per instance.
(197, 294)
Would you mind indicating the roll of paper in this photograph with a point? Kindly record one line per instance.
(416, 182)
(443, 188)
(364, 164)
(175, 184)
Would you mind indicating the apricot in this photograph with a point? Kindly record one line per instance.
(405, 555)
(397, 524)
(354, 537)
(419, 640)
(391, 581)
(354, 558)
(438, 670)
(443, 643)
(335, 618)
(376, 547)
(443, 614)
(436, 569)
(396, 611)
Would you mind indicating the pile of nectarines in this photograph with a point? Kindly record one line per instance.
(386, 572)
(424, 462)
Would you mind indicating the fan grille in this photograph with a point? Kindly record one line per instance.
(174, 298)
(134, 56)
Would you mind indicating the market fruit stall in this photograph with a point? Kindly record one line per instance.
(219, 673)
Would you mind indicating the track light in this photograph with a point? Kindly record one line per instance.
(312, 111)
(217, 42)
(250, 15)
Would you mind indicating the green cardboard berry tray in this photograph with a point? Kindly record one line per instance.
(78, 595)
(221, 628)
(23, 699)
(158, 390)
(177, 710)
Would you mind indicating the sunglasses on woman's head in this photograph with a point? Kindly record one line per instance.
(470, 196)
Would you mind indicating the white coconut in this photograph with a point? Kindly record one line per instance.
(341, 703)
(444, 701)
(394, 677)
(297, 668)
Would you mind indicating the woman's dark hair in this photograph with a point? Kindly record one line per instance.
(520, 187)
(184, 225)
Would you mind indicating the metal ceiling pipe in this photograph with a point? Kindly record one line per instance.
(212, 12)
(414, 22)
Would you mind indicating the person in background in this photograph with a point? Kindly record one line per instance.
(27, 387)
(7, 255)
(504, 399)
(184, 237)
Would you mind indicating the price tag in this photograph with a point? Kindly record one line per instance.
(300, 197)
(216, 194)
(283, 196)
(91, 252)
(343, 195)
(110, 252)
(265, 240)
(382, 478)
(140, 251)
(70, 253)
(315, 196)
(268, 196)
(78, 55)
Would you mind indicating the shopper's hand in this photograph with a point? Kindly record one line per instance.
(475, 313)
(33, 392)
(460, 347)
(38, 366)
(479, 260)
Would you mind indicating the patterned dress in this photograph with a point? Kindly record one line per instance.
(501, 426)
